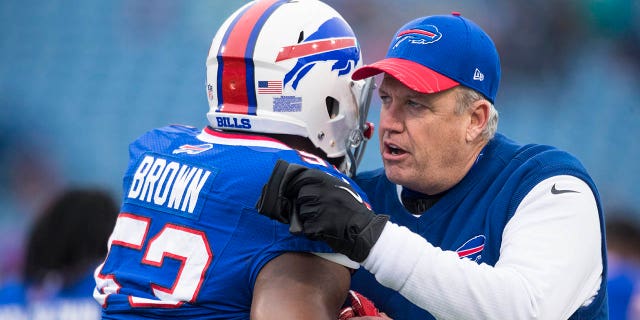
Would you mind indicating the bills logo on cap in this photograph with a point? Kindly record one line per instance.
(319, 47)
(472, 249)
(429, 34)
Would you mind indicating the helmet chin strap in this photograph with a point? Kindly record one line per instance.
(358, 138)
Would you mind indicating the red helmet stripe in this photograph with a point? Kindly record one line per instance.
(236, 89)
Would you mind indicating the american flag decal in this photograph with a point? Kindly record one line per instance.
(270, 87)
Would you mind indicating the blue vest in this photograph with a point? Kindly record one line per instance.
(471, 217)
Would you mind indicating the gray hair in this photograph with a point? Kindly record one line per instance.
(466, 97)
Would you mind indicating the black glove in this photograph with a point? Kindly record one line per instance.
(274, 202)
(327, 208)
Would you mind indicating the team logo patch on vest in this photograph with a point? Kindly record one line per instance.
(472, 249)
(169, 184)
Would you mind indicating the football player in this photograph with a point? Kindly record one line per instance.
(188, 242)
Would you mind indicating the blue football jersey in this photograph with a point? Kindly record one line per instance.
(189, 242)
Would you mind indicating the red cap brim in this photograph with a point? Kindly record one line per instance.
(413, 75)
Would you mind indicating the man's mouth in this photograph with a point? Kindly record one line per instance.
(394, 149)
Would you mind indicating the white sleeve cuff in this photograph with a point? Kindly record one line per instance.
(339, 259)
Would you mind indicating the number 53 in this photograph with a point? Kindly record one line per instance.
(187, 245)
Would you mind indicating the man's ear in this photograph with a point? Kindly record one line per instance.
(479, 119)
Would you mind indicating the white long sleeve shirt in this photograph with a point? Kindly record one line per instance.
(550, 262)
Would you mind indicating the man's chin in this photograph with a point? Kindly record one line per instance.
(394, 173)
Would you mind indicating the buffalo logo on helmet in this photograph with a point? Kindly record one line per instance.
(333, 41)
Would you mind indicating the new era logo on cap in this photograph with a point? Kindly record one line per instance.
(436, 53)
(477, 75)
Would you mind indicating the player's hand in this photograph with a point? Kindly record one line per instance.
(382, 316)
(360, 307)
(327, 207)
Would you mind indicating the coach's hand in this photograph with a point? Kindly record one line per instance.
(327, 207)
(275, 202)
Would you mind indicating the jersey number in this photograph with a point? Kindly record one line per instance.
(186, 245)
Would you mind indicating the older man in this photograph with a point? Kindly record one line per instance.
(471, 225)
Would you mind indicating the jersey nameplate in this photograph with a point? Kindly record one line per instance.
(169, 184)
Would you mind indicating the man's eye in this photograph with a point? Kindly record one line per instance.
(414, 104)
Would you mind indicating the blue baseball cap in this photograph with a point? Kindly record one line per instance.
(436, 53)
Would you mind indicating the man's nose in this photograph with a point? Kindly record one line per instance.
(391, 118)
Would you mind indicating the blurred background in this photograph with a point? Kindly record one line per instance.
(79, 80)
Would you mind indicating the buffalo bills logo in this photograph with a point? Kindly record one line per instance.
(472, 249)
(193, 149)
(429, 34)
(333, 41)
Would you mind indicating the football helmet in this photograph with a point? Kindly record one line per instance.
(284, 67)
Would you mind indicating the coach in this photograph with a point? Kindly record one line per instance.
(470, 224)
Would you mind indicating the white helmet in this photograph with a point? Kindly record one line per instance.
(284, 67)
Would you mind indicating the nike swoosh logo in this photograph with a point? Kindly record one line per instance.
(353, 194)
(561, 191)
